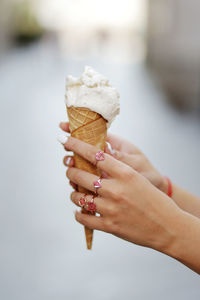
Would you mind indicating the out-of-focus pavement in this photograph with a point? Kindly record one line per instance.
(42, 252)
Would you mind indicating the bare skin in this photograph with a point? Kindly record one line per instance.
(132, 202)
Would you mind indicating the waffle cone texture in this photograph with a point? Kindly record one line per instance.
(91, 128)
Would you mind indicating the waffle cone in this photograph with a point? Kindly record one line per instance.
(91, 128)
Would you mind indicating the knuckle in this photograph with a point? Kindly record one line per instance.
(111, 225)
(112, 211)
(119, 155)
(122, 196)
(112, 193)
(107, 225)
(128, 174)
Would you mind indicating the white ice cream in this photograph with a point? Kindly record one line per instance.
(93, 91)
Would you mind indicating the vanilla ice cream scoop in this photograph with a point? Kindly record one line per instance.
(93, 91)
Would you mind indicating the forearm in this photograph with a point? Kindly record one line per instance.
(186, 201)
(185, 244)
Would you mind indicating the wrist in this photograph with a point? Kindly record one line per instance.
(174, 228)
(185, 240)
(168, 240)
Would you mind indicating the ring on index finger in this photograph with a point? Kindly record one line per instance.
(99, 156)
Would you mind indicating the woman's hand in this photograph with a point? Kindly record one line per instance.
(129, 206)
(133, 209)
(130, 155)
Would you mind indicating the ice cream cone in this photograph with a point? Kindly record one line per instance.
(91, 128)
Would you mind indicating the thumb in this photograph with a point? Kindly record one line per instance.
(128, 159)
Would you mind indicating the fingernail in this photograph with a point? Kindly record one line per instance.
(62, 139)
(111, 150)
(67, 161)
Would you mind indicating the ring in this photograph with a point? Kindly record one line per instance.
(97, 184)
(82, 202)
(90, 205)
(99, 156)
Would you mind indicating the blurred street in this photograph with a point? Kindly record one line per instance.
(43, 254)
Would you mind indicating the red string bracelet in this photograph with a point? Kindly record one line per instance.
(169, 192)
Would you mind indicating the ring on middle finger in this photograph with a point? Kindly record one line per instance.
(97, 184)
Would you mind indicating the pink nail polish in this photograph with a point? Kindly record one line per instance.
(62, 139)
(111, 150)
(67, 161)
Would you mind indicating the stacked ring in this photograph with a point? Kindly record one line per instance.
(82, 201)
(88, 205)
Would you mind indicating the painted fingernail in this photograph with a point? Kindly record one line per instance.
(67, 161)
(62, 139)
(111, 150)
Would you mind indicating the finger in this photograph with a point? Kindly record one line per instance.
(132, 160)
(121, 144)
(90, 221)
(87, 180)
(74, 186)
(103, 206)
(64, 126)
(68, 161)
(110, 165)
(114, 141)
(108, 149)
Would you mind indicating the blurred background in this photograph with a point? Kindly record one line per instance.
(150, 51)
